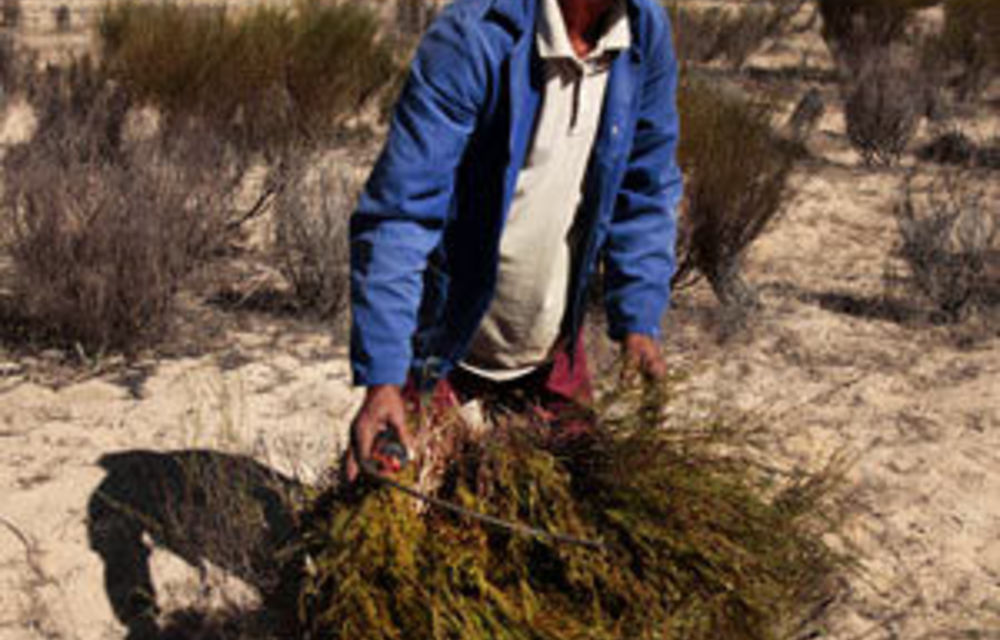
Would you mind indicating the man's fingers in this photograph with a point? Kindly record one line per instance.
(654, 367)
(364, 432)
(351, 469)
(382, 409)
(643, 358)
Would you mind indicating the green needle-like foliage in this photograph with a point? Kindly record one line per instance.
(693, 549)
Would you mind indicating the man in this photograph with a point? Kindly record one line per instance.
(533, 138)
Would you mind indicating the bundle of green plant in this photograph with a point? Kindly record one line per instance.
(736, 169)
(691, 550)
(948, 239)
(702, 35)
(852, 28)
(311, 216)
(102, 233)
(267, 76)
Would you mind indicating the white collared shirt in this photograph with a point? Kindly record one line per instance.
(523, 322)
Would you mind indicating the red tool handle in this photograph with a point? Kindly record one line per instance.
(388, 452)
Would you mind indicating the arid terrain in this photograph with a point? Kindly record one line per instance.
(837, 362)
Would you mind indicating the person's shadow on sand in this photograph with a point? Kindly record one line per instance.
(201, 505)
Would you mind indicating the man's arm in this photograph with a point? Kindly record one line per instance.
(639, 253)
(400, 218)
(401, 213)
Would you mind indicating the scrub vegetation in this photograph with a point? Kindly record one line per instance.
(736, 169)
(264, 76)
(195, 142)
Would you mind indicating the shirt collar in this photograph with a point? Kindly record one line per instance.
(553, 41)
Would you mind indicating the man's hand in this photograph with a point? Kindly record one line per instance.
(643, 356)
(383, 408)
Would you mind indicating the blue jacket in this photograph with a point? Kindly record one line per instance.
(426, 232)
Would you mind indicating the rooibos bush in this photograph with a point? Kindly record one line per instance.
(267, 76)
(736, 169)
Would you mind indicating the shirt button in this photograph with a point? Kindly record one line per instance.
(614, 130)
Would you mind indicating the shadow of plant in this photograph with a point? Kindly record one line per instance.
(203, 506)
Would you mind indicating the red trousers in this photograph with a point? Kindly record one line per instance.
(560, 393)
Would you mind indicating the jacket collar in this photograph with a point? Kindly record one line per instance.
(519, 14)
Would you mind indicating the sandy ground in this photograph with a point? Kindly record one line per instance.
(826, 365)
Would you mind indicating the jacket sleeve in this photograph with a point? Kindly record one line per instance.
(402, 210)
(639, 253)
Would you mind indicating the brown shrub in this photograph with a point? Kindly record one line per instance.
(948, 240)
(10, 13)
(101, 234)
(852, 28)
(7, 66)
(704, 35)
(883, 104)
(413, 17)
(311, 216)
(736, 170)
(970, 42)
(62, 18)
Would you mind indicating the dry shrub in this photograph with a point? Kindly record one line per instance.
(852, 28)
(311, 217)
(414, 16)
(692, 549)
(948, 231)
(267, 76)
(970, 41)
(10, 13)
(704, 35)
(17, 64)
(736, 170)
(883, 104)
(8, 67)
(101, 234)
(884, 89)
(62, 18)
